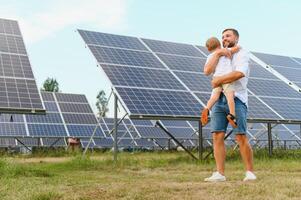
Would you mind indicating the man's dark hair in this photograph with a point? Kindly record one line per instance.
(234, 31)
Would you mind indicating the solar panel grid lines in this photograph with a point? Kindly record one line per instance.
(19, 92)
(141, 77)
(172, 48)
(165, 47)
(138, 100)
(104, 39)
(272, 62)
(277, 60)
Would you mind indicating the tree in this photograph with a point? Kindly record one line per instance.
(51, 85)
(101, 103)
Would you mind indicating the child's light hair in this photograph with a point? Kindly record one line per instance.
(212, 44)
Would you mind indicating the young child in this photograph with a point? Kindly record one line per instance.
(223, 67)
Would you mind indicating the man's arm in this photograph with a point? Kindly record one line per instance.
(212, 62)
(227, 78)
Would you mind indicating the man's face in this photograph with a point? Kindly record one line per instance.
(229, 39)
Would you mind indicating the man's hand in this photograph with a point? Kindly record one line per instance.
(216, 81)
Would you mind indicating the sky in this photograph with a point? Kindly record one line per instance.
(56, 50)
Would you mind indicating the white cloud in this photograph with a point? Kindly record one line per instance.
(60, 14)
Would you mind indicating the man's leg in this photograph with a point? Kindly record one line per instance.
(245, 151)
(219, 151)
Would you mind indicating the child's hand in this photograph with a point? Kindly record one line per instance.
(224, 52)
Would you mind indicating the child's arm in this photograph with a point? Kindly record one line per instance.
(235, 49)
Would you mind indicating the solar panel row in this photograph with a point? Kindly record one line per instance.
(165, 79)
(19, 92)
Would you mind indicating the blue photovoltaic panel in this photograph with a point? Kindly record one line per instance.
(15, 66)
(51, 106)
(125, 57)
(84, 131)
(52, 118)
(103, 142)
(195, 81)
(172, 48)
(256, 109)
(104, 39)
(292, 74)
(7, 118)
(138, 77)
(203, 49)
(175, 123)
(10, 27)
(75, 108)
(74, 98)
(79, 118)
(152, 97)
(7, 142)
(258, 71)
(159, 102)
(182, 63)
(277, 60)
(12, 129)
(19, 92)
(49, 130)
(12, 44)
(143, 142)
(47, 96)
(288, 108)
(55, 142)
(272, 88)
(29, 142)
(184, 133)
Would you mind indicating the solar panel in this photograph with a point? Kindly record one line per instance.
(29, 142)
(53, 142)
(104, 39)
(293, 74)
(141, 77)
(159, 102)
(107, 55)
(19, 92)
(68, 115)
(172, 48)
(183, 63)
(277, 60)
(144, 93)
(271, 88)
(7, 142)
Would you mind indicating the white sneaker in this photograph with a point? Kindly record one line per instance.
(216, 177)
(250, 176)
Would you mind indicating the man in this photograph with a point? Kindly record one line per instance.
(220, 109)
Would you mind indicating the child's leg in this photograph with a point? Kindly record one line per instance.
(214, 97)
(230, 99)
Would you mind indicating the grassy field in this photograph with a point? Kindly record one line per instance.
(145, 175)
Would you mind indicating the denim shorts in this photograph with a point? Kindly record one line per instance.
(218, 116)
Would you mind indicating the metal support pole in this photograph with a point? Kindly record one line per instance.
(115, 127)
(160, 125)
(270, 142)
(201, 148)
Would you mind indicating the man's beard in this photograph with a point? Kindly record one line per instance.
(229, 45)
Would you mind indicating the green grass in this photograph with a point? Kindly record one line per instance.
(145, 175)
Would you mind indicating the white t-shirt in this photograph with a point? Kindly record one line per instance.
(223, 66)
(239, 62)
